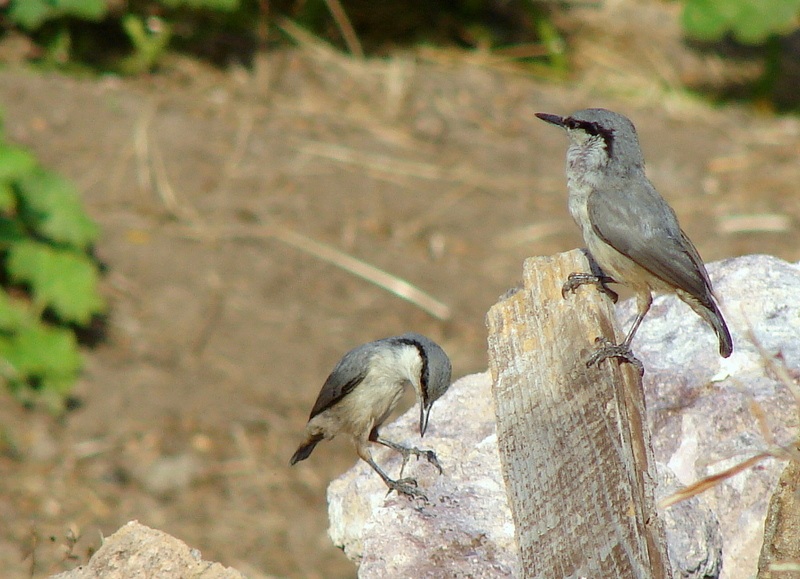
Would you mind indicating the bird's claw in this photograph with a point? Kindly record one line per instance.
(407, 487)
(575, 280)
(428, 455)
(610, 350)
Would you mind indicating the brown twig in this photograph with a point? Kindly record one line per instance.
(234, 160)
(345, 28)
(387, 281)
(152, 172)
(710, 481)
(774, 450)
(383, 165)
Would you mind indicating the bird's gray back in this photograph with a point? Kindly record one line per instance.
(634, 219)
(346, 375)
(626, 211)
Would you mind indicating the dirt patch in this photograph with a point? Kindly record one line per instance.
(221, 334)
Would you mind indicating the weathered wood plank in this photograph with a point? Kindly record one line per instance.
(780, 553)
(576, 454)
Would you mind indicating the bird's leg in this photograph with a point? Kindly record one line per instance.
(596, 277)
(623, 351)
(403, 486)
(428, 455)
(575, 280)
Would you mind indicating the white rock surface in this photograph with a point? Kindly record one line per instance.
(699, 405)
(465, 531)
(699, 413)
(137, 551)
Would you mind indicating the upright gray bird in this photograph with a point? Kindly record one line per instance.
(628, 228)
(364, 388)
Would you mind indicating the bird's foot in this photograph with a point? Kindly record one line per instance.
(406, 451)
(575, 280)
(610, 350)
(428, 455)
(407, 487)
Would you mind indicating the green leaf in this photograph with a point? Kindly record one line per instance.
(51, 206)
(42, 352)
(30, 14)
(221, 5)
(8, 200)
(11, 231)
(60, 279)
(14, 162)
(148, 46)
(85, 9)
(54, 388)
(14, 314)
(750, 21)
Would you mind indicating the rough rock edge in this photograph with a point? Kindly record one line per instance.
(759, 300)
(139, 551)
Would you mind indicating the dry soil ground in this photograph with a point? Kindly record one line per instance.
(214, 189)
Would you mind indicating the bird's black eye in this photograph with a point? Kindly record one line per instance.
(587, 126)
(593, 129)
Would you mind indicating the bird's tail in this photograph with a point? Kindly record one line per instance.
(711, 314)
(305, 449)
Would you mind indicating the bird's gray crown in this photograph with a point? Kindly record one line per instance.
(589, 127)
(436, 367)
(618, 132)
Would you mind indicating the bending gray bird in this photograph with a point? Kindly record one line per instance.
(363, 390)
(628, 228)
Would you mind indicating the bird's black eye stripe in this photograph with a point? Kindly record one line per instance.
(424, 371)
(573, 124)
(588, 126)
(593, 129)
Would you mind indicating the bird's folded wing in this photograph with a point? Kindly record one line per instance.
(637, 222)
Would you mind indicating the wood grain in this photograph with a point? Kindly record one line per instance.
(575, 450)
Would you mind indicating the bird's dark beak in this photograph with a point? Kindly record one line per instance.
(552, 119)
(424, 414)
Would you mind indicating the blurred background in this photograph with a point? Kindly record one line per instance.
(204, 202)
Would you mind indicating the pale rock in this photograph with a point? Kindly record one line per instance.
(699, 412)
(699, 405)
(139, 551)
(694, 541)
(465, 530)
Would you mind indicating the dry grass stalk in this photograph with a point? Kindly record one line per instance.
(359, 268)
(345, 28)
(324, 52)
(755, 222)
(711, 481)
(152, 172)
(531, 234)
(379, 163)
(384, 165)
(790, 452)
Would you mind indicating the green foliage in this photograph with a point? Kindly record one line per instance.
(61, 279)
(130, 38)
(31, 14)
(223, 5)
(148, 44)
(50, 205)
(133, 36)
(750, 21)
(51, 282)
